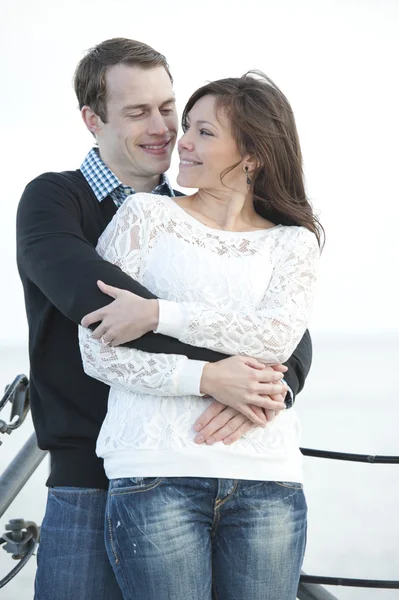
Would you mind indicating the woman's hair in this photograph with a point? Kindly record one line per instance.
(263, 126)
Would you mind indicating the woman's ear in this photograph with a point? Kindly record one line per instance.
(249, 163)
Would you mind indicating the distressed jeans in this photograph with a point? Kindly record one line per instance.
(72, 562)
(184, 538)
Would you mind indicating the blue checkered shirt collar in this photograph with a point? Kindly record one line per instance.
(105, 183)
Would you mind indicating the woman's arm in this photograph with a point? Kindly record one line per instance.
(143, 372)
(271, 333)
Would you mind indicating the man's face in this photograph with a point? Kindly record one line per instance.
(140, 133)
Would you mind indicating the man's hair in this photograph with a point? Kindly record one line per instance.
(90, 75)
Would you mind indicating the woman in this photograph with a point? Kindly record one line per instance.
(235, 267)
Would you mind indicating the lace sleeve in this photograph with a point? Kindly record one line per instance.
(123, 243)
(271, 333)
(124, 239)
(137, 371)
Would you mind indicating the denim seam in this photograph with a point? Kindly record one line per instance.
(215, 523)
(295, 486)
(220, 503)
(150, 486)
(215, 595)
(56, 492)
(111, 536)
(122, 574)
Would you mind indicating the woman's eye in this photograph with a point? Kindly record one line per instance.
(205, 132)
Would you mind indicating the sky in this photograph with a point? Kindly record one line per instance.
(336, 61)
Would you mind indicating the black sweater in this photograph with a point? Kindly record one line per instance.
(59, 221)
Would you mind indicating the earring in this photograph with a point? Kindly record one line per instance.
(248, 179)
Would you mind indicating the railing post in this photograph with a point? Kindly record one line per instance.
(24, 464)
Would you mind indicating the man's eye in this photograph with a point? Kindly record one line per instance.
(167, 111)
(136, 115)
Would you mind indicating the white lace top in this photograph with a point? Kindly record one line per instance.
(243, 293)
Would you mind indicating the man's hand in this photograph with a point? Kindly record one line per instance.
(220, 423)
(124, 320)
(242, 383)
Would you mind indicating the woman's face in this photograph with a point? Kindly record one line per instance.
(207, 148)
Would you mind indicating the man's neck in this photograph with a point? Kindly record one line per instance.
(139, 184)
(145, 183)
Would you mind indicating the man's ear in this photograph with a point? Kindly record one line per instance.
(92, 121)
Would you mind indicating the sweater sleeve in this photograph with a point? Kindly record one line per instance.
(124, 243)
(271, 333)
(55, 255)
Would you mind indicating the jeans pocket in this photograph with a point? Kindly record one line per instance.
(292, 485)
(133, 485)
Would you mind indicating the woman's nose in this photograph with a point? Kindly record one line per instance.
(184, 143)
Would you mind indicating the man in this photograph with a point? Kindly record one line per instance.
(125, 94)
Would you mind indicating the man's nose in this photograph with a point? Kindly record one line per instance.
(157, 125)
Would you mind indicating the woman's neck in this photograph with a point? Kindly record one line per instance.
(232, 211)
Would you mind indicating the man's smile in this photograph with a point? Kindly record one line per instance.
(156, 149)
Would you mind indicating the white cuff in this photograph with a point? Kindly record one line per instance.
(189, 378)
(289, 392)
(171, 319)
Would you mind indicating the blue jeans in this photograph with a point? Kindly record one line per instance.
(184, 538)
(72, 562)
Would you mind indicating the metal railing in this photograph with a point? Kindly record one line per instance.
(346, 581)
(22, 537)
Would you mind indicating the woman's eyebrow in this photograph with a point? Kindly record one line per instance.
(201, 122)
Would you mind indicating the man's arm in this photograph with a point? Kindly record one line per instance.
(298, 368)
(55, 255)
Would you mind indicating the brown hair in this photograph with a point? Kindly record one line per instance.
(263, 126)
(89, 79)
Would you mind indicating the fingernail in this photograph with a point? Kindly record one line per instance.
(199, 439)
(197, 427)
(227, 442)
(210, 441)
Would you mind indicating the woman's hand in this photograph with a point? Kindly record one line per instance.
(127, 318)
(242, 383)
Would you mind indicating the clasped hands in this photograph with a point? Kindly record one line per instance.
(246, 392)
